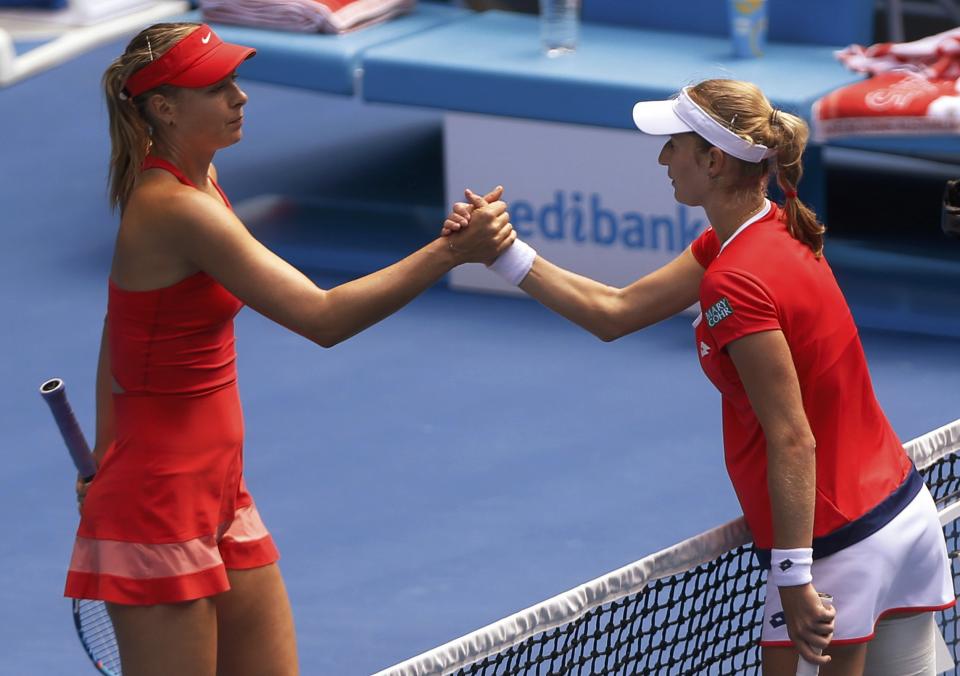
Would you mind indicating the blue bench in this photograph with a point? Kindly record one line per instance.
(327, 63)
(492, 64)
(628, 51)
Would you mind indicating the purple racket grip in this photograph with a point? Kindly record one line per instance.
(55, 395)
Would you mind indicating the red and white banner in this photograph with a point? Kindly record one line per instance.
(913, 90)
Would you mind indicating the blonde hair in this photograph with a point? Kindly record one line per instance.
(130, 126)
(743, 108)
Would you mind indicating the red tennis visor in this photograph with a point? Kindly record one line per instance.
(198, 60)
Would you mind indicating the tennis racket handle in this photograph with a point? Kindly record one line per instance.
(805, 668)
(54, 393)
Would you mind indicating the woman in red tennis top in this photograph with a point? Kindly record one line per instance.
(832, 500)
(169, 536)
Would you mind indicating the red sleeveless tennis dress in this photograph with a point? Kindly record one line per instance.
(168, 511)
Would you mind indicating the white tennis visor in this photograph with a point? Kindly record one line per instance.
(680, 115)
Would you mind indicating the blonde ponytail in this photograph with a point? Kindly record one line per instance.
(791, 135)
(130, 126)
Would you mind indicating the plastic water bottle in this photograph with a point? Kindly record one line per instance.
(559, 26)
(748, 27)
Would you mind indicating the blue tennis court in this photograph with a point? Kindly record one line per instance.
(468, 457)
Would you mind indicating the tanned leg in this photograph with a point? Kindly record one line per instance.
(256, 632)
(164, 639)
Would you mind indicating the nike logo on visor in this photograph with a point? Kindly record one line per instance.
(206, 39)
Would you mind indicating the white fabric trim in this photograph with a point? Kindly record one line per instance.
(750, 221)
(941, 442)
(683, 115)
(620, 583)
(951, 513)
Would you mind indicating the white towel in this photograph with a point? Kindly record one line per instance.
(308, 16)
(913, 90)
(935, 56)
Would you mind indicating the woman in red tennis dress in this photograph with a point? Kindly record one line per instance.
(169, 536)
(832, 500)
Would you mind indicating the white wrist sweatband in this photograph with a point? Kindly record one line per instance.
(514, 264)
(791, 567)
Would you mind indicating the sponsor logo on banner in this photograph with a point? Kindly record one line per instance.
(584, 219)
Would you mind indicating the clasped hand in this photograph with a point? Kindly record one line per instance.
(81, 487)
(489, 233)
(809, 622)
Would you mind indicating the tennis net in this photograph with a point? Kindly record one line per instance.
(694, 608)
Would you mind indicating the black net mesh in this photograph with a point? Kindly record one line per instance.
(703, 621)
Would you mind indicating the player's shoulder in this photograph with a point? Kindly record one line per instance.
(726, 279)
(163, 204)
(762, 250)
(163, 193)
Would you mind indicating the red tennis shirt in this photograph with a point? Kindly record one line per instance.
(765, 280)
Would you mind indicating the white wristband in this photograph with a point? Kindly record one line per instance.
(514, 264)
(791, 567)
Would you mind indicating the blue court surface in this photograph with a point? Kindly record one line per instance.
(464, 459)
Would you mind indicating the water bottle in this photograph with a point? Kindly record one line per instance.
(748, 27)
(559, 26)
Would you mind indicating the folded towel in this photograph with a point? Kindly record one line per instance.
(308, 16)
(914, 90)
(935, 56)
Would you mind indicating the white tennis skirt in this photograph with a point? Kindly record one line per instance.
(902, 568)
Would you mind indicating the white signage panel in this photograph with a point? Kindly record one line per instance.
(589, 199)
